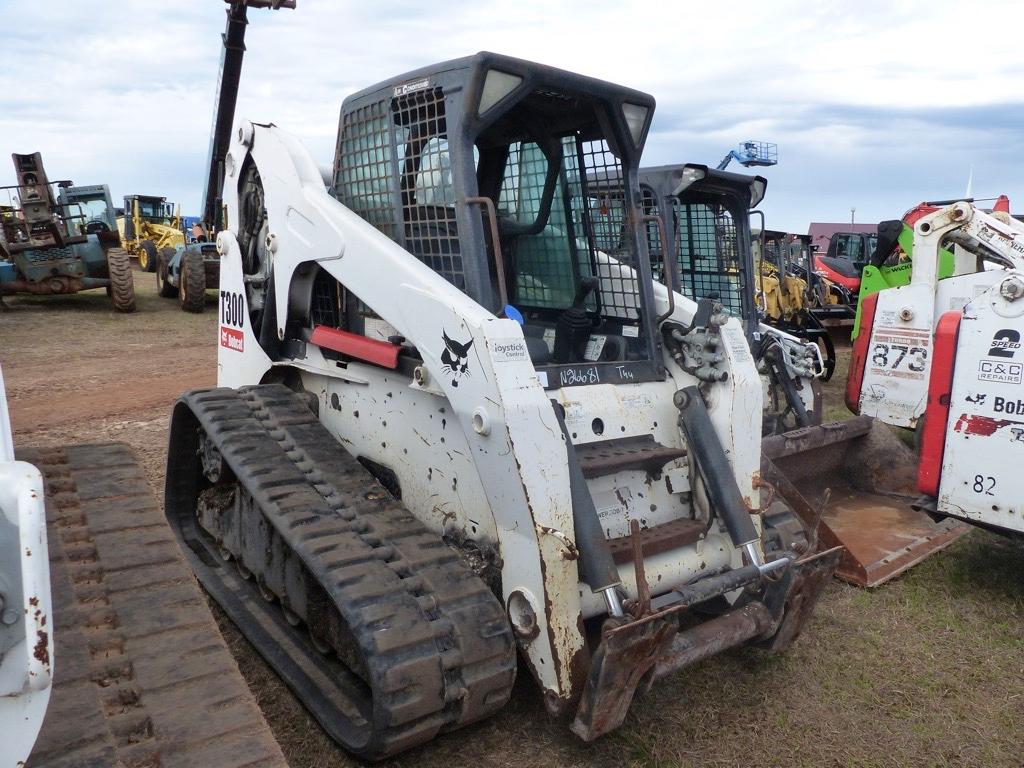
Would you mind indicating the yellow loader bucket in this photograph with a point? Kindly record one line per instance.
(856, 481)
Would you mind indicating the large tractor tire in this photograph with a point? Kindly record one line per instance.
(122, 284)
(192, 281)
(163, 287)
(148, 256)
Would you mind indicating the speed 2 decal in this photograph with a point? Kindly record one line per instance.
(1005, 343)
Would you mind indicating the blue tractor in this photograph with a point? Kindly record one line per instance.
(60, 244)
(187, 271)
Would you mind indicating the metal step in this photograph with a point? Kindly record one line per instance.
(610, 456)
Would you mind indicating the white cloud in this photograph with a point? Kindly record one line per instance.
(874, 104)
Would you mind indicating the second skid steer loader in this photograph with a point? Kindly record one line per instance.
(868, 511)
(944, 355)
(451, 427)
(706, 215)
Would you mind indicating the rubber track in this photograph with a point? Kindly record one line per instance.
(122, 283)
(435, 640)
(143, 677)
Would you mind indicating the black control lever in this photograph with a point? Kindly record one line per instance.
(572, 331)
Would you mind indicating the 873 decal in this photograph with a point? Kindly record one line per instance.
(901, 360)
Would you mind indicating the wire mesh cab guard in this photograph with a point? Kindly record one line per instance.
(416, 155)
(706, 215)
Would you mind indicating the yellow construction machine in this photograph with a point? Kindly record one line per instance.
(149, 227)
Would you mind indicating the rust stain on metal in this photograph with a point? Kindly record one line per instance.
(620, 663)
(642, 606)
(569, 549)
(41, 650)
(982, 426)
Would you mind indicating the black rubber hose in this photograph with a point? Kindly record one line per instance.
(781, 374)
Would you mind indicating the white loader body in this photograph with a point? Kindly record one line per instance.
(26, 618)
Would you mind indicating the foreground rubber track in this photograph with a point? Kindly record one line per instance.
(143, 677)
(427, 644)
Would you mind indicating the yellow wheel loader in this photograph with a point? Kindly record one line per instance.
(150, 227)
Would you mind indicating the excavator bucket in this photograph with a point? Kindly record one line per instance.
(855, 482)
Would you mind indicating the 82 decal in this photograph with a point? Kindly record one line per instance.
(984, 484)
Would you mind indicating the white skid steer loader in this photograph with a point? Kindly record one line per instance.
(450, 426)
(945, 357)
(707, 217)
(706, 214)
(26, 625)
(893, 353)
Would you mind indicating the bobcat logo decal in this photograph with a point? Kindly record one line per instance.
(455, 358)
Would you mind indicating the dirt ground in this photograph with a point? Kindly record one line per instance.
(926, 670)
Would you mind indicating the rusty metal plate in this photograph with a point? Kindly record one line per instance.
(883, 536)
(807, 579)
(619, 664)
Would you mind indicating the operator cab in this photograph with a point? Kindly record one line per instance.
(706, 216)
(90, 209)
(484, 169)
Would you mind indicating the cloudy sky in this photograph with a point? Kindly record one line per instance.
(874, 105)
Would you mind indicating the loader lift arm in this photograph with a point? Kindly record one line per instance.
(226, 99)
